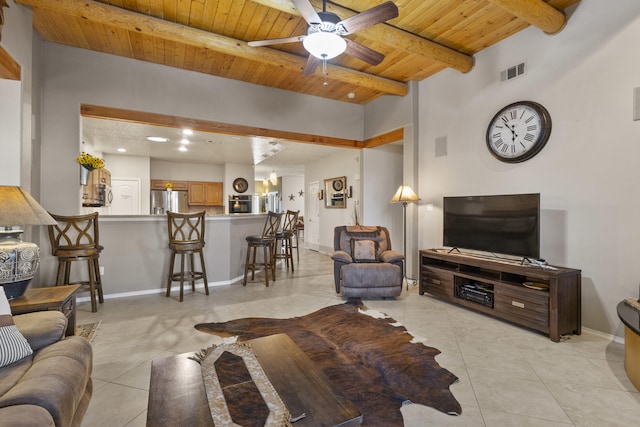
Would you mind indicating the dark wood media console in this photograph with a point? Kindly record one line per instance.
(495, 287)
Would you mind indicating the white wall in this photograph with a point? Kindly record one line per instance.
(333, 166)
(16, 100)
(10, 91)
(291, 187)
(382, 168)
(587, 173)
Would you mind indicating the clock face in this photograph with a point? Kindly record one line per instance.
(240, 185)
(519, 131)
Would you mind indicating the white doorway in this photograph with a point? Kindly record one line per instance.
(312, 226)
(126, 196)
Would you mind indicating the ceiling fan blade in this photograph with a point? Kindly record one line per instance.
(307, 11)
(363, 53)
(375, 15)
(311, 65)
(276, 41)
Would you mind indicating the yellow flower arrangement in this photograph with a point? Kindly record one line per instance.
(89, 162)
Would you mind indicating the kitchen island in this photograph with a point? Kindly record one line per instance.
(136, 255)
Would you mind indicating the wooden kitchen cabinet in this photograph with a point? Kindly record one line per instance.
(202, 193)
(159, 184)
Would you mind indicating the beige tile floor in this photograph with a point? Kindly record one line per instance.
(509, 376)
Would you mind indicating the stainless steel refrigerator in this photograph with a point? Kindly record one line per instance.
(163, 201)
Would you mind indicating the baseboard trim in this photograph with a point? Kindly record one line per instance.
(610, 337)
(159, 290)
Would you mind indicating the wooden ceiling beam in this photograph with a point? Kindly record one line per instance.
(385, 138)
(154, 27)
(536, 12)
(155, 119)
(389, 35)
(9, 68)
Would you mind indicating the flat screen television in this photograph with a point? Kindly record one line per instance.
(505, 224)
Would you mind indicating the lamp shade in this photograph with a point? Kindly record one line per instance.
(405, 195)
(18, 208)
(324, 45)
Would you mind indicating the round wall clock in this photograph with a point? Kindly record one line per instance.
(240, 185)
(518, 131)
(337, 185)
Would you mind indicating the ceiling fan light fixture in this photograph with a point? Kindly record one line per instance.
(324, 45)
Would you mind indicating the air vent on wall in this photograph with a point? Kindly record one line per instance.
(513, 72)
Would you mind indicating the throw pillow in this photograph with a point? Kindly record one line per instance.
(13, 346)
(364, 250)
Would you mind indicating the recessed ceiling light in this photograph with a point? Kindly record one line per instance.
(122, 150)
(157, 139)
(187, 132)
(184, 141)
(182, 148)
(351, 95)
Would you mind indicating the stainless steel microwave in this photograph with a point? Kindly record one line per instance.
(239, 204)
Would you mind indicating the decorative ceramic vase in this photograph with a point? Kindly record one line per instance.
(84, 175)
(19, 262)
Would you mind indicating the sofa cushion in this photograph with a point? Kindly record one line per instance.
(363, 250)
(375, 275)
(341, 256)
(56, 381)
(25, 416)
(41, 328)
(13, 346)
(12, 374)
(391, 256)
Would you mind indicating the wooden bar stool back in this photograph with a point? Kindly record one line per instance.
(299, 228)
(284, 250)
(266, 241)
(186, 238)
(76, 238)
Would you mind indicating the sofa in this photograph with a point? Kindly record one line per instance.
(52, 386)
(364, 265)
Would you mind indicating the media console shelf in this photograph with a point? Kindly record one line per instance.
(496, 288)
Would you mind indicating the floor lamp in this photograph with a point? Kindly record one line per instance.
(405, 195)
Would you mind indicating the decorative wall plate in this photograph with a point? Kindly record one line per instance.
(240, 185)
(338, 185)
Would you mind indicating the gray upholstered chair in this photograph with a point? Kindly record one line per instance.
(364, 265)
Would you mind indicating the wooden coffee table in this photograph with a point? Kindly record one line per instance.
(177, 394)
(60, 298)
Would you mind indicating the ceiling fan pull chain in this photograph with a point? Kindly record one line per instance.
(324, 71)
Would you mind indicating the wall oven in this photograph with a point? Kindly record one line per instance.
(239, 204)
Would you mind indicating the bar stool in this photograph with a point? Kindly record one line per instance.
(186, 237)
(299, 227)
(266, 241)
(76, 238)
(285, 238)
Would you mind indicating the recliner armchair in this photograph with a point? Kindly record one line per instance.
(364, 265)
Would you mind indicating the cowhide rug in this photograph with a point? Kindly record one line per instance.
(370, 361)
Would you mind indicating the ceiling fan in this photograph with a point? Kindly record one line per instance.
(324, 39)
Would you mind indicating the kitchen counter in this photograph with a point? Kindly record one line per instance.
(136, 254)
(220, 217)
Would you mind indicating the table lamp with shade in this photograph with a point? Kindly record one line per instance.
(405, 195)
(19, 261)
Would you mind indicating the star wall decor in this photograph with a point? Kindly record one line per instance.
(301, 193)
(292, 197)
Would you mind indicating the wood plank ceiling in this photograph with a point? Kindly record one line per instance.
(209, 36)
